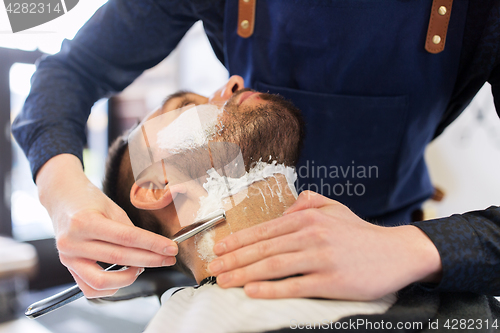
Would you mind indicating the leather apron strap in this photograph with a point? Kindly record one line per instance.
(438, 26)
(246, 17)
(436, 32)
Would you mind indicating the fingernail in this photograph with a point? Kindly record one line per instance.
(215, 266)
(224, 278)
(140, 271)
(220, 248)
(289, 209)
(168, 261)
(170, 251)
(251, 289)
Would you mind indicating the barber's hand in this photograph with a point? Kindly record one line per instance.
(334, 253)
(90, 227)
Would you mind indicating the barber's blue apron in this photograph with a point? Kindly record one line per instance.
(370, 94)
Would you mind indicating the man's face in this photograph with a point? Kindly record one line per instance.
(232, 93)
(177, 110)
(266, 127)
(177, 122)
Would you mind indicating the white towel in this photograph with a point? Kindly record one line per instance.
(210, 308)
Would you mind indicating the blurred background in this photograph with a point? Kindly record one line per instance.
(463, 164)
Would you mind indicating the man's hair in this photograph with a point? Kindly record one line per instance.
(271, 132)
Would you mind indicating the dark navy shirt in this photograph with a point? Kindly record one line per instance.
(126, 37)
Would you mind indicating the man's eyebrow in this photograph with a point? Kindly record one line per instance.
(179, 94)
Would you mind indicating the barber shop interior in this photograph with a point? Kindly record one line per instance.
(220, 183)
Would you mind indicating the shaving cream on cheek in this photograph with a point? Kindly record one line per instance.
(204, 244)
(219, 188)
(191, 130)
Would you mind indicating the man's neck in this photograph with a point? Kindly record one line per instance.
(265, 200)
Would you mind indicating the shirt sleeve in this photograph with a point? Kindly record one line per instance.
(469, 246)
(121, 40)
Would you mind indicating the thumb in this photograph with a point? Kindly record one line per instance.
(308, 199)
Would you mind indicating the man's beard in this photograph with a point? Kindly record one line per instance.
(276, 101)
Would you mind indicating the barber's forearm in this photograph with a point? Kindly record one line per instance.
(54, 115)
(423, 254)
(121, 40)
(56, 176)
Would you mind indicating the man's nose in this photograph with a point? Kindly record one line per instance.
(234, 84)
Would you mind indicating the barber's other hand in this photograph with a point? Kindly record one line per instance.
(90, 227)
(328, 251)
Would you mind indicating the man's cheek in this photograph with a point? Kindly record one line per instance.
(186, 246)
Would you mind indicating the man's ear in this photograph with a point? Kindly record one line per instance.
(152, 199)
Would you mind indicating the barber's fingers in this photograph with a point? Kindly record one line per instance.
(95, 281)
(310, 199)
(274, 267)
(120, 255)
(252, 253)
(88, 291)
(101, 228)
(267, 230)
(312, 285)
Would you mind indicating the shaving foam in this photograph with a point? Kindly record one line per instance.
(191, 130)
(204, 243)
(220, 188)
